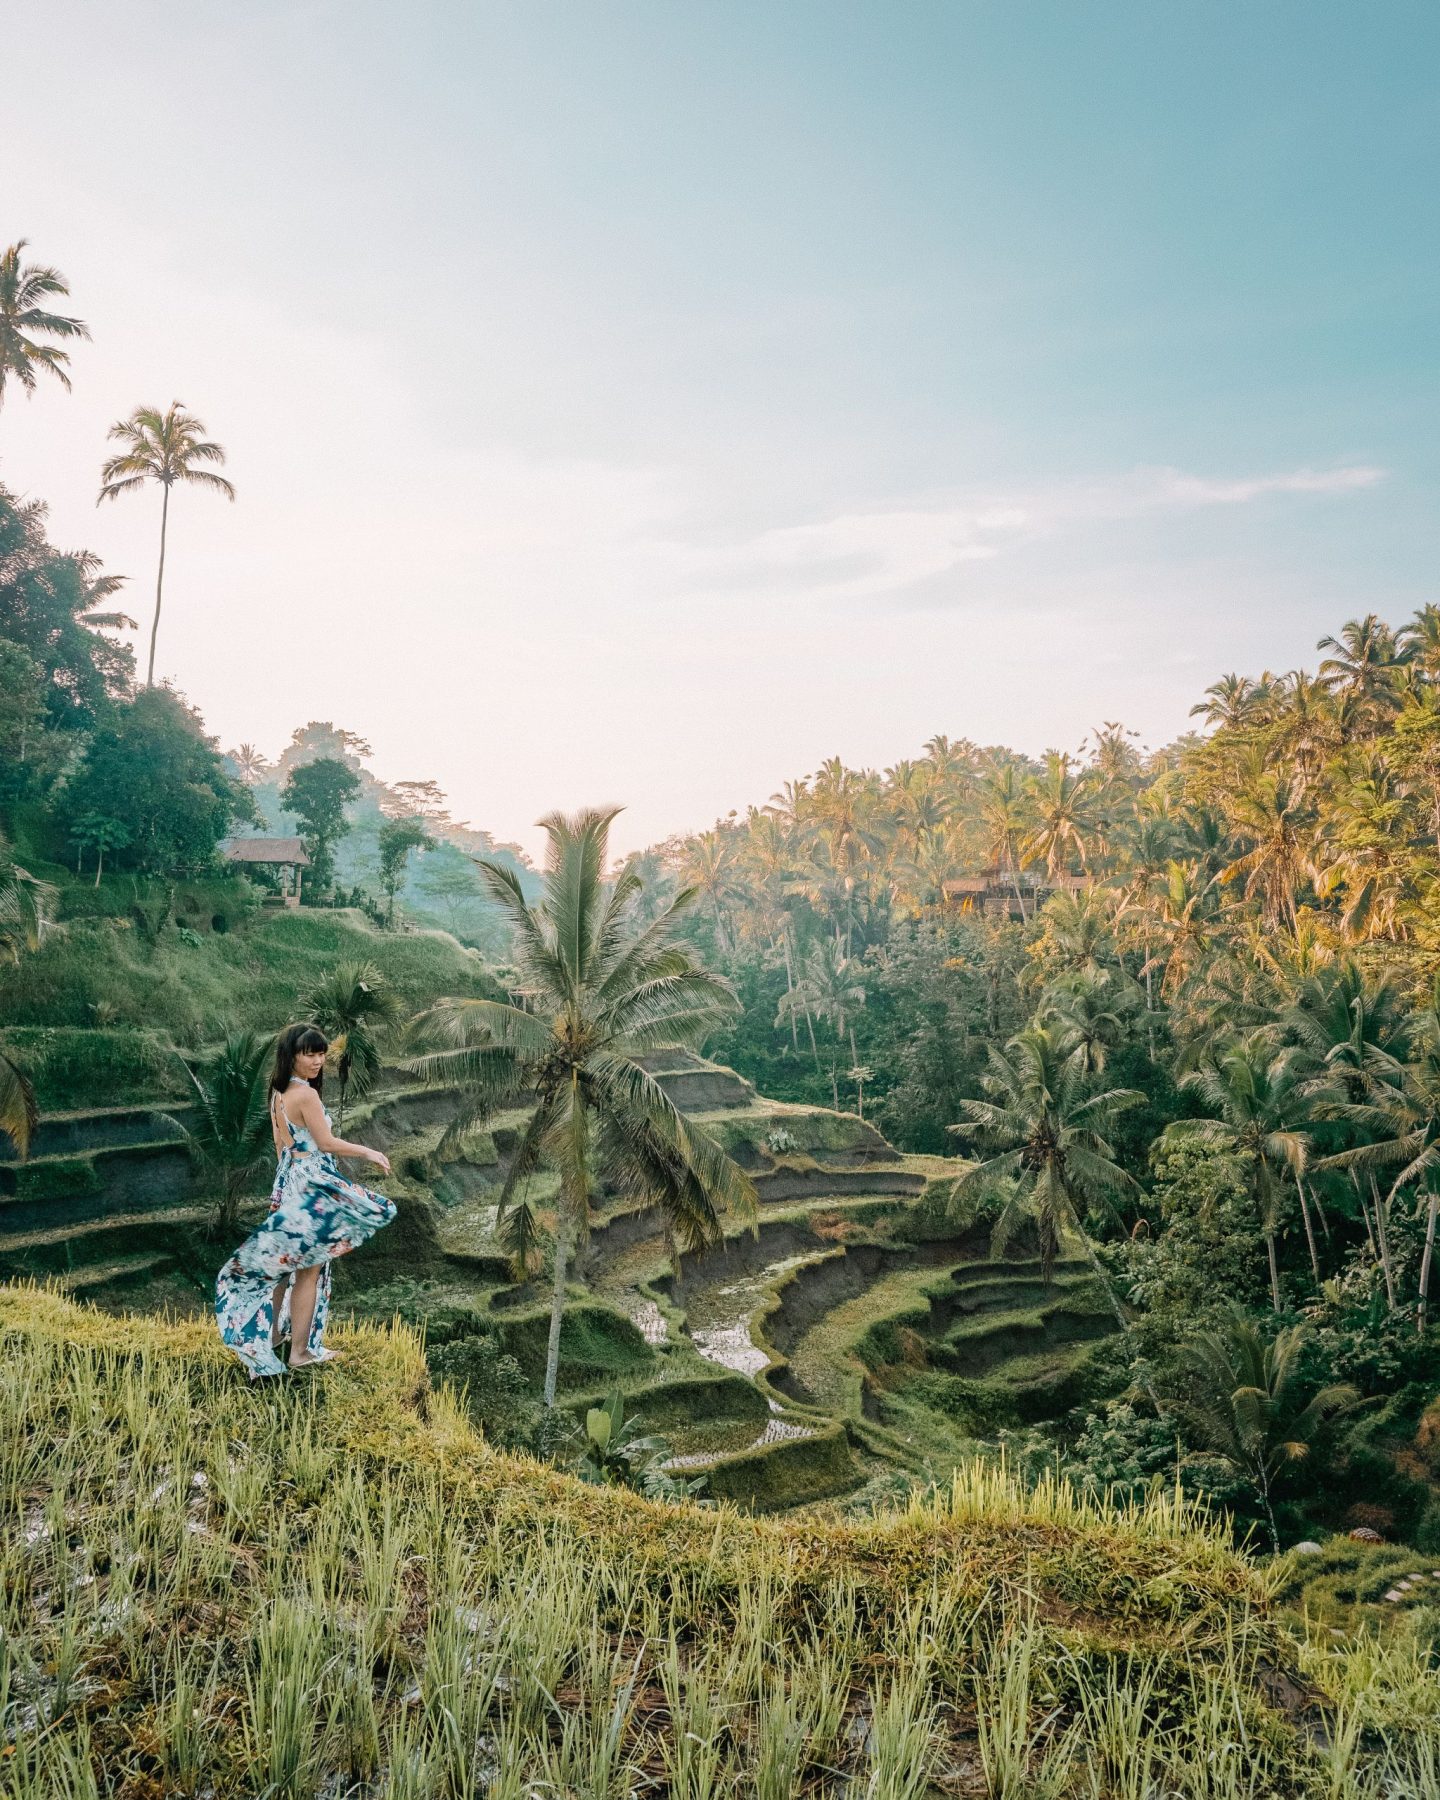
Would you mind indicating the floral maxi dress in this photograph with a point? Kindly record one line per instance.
(315, 1215)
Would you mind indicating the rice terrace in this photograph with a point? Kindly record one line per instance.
(919, 1288)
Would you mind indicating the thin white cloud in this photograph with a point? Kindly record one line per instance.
(884, 549)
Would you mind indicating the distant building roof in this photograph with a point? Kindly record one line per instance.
(265, 850)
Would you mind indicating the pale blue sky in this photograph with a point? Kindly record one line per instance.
(640, 402)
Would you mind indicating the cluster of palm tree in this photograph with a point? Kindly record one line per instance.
(1315, 800)
(1311, 1066)
(164, 447)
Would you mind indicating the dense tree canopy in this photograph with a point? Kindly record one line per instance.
(151, 770)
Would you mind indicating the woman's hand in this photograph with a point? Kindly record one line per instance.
(380, 1160)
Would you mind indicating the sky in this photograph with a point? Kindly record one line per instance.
(637, 403)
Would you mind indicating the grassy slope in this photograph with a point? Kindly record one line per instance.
(209, 1586)
(178, 991)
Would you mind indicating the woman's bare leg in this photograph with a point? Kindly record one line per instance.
(302, 1314)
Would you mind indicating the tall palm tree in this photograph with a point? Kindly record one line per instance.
(1042, 1129)
(250, 763)
(1006, 812)
(353, 1005)
(1229, 703)
(597, 993)
(1364, 852)
(1367, 657)
(1066, 814)
(24, 320)
(1400, 1118)
(1179, 919)
(1419, 641)
(165, 447)
(767, 862)
(1252, 1405)
(1261, 1104)
(1353, 1035)
(844, 812)
(828, 989)
(708, 866)
(1267, 810)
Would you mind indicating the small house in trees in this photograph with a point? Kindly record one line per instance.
(285, 855)
(996, 890)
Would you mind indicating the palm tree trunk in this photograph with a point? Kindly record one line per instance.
(557, 1305)
(1015, 883)
(1384, 1236)
(1274, 1271)
(810, 1027)
(835, 1083)
(790, 991)
(159, 584)
(99, 862)
(1309, 1229)
(1365, 1214)
(1432, 1207)
(855, 1064)
(1263, 1483)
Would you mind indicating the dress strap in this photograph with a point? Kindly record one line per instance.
(277, 1104)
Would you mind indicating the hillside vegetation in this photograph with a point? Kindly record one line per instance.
(95, 1008)
(335, 1587)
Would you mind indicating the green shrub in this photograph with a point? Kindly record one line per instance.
(497, 1395)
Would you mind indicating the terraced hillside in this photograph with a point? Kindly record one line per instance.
(847, 1330)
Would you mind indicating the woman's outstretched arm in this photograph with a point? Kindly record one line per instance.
(313, 1113)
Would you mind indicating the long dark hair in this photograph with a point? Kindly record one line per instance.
(297, 1040)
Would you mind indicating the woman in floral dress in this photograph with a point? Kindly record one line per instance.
(277, 1284)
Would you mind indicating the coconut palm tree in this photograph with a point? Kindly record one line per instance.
(1230, 703)
(709, 868)
(1252, 1406)
(165, 447)
(827, 989)
(1267, 810)
(353, 1005)
(1262, 1104)
(1400, 1119)
(1364, 852)
(1367, 658)
(597, 993)
(1006, 813)
(1419, 641)
(231, 1139)
(1353, 1035)
(1089, 1012)
(1042, 1130)
(24, 320)
(1065, 811)
(250, 763)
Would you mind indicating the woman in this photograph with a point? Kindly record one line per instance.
(277, 1284)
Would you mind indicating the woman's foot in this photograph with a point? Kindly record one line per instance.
(302, 1359)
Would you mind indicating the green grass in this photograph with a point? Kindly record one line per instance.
(190, 989)
(332, 1586)
(76, 1066)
